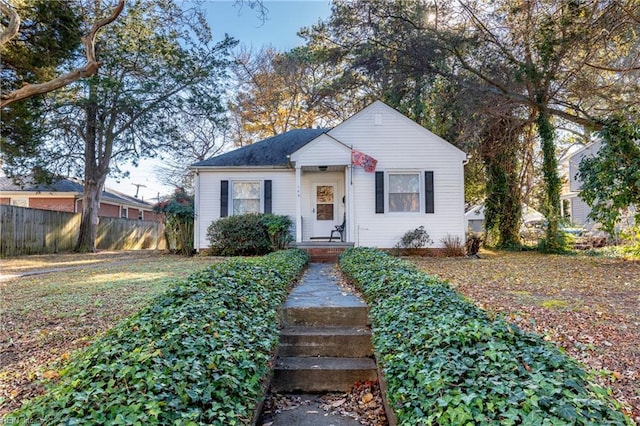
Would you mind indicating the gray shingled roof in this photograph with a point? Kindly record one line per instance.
(268, 152)
(68, 185)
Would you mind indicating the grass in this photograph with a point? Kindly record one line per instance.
(585, 304)
(46, 316)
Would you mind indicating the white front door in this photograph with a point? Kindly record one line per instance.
(324, 209)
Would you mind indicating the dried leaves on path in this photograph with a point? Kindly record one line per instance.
(590, 306)
(363, 403)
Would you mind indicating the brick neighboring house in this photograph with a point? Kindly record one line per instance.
(66, 195)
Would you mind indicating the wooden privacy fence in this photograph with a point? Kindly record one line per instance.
(124, 234)
(33, 231)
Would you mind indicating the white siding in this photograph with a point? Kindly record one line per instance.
(400, 144)
(579, 212)
(574, 164)
(208, 202)
(385, 230)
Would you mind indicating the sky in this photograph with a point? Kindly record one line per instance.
(284, 20)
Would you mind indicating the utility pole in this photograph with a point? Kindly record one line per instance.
(138, 185)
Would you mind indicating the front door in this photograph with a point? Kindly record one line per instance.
(325, 209)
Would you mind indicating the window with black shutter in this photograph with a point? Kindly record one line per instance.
(224, 198)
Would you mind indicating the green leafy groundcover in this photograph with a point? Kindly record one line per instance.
(448, 363)
(198, 354)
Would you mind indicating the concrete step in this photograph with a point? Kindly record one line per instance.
(348, 342)
(325, 316)
(293, 374)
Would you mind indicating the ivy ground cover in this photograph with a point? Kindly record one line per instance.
(197, 354)
(587, 305)
(449, 363)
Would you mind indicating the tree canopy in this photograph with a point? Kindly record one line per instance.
(158, 64)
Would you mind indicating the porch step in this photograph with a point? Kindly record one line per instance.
(324, 252)
(326, 316)
(352, 342)
(322, 374)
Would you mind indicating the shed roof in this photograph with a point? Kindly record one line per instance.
(273, 151)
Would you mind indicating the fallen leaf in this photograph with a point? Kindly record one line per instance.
(367, 397)
(338, 403)
(50, 374)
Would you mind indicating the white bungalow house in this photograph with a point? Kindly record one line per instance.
(378, 173)
(572, 205)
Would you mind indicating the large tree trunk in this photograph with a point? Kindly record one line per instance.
(94, 178)
(89, 224)
(503, 205)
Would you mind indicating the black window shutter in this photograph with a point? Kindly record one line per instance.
(428, 193)
(379, 192)
(224, 198)
(267, 196)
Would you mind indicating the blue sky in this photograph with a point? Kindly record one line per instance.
(284, 20)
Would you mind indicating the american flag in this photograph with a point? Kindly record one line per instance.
(363, 160)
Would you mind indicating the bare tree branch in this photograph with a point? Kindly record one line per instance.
(605, 68)
(14, 23)
(87, 70)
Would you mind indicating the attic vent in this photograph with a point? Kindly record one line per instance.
(377, 118)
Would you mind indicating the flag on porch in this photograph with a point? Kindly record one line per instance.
(363, 160)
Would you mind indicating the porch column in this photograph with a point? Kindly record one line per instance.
(298, 205)
(348, 191)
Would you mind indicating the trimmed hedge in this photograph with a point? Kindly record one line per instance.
(448, 363)
(198, 354)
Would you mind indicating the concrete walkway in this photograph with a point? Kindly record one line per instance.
(318, 288)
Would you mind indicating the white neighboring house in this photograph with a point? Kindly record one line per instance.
(474, 217)
(578, 210)
(313, 176)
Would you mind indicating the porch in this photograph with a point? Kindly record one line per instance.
(324, 193)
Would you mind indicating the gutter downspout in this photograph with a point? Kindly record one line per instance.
(196, 212)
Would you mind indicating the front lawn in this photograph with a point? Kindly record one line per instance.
(46, 316)
(590, 306)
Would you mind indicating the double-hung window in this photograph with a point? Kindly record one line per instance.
(404, 192)
(245, 197)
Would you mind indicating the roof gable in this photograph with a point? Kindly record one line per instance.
(378, 110)
(273, 151)
(323, 150)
